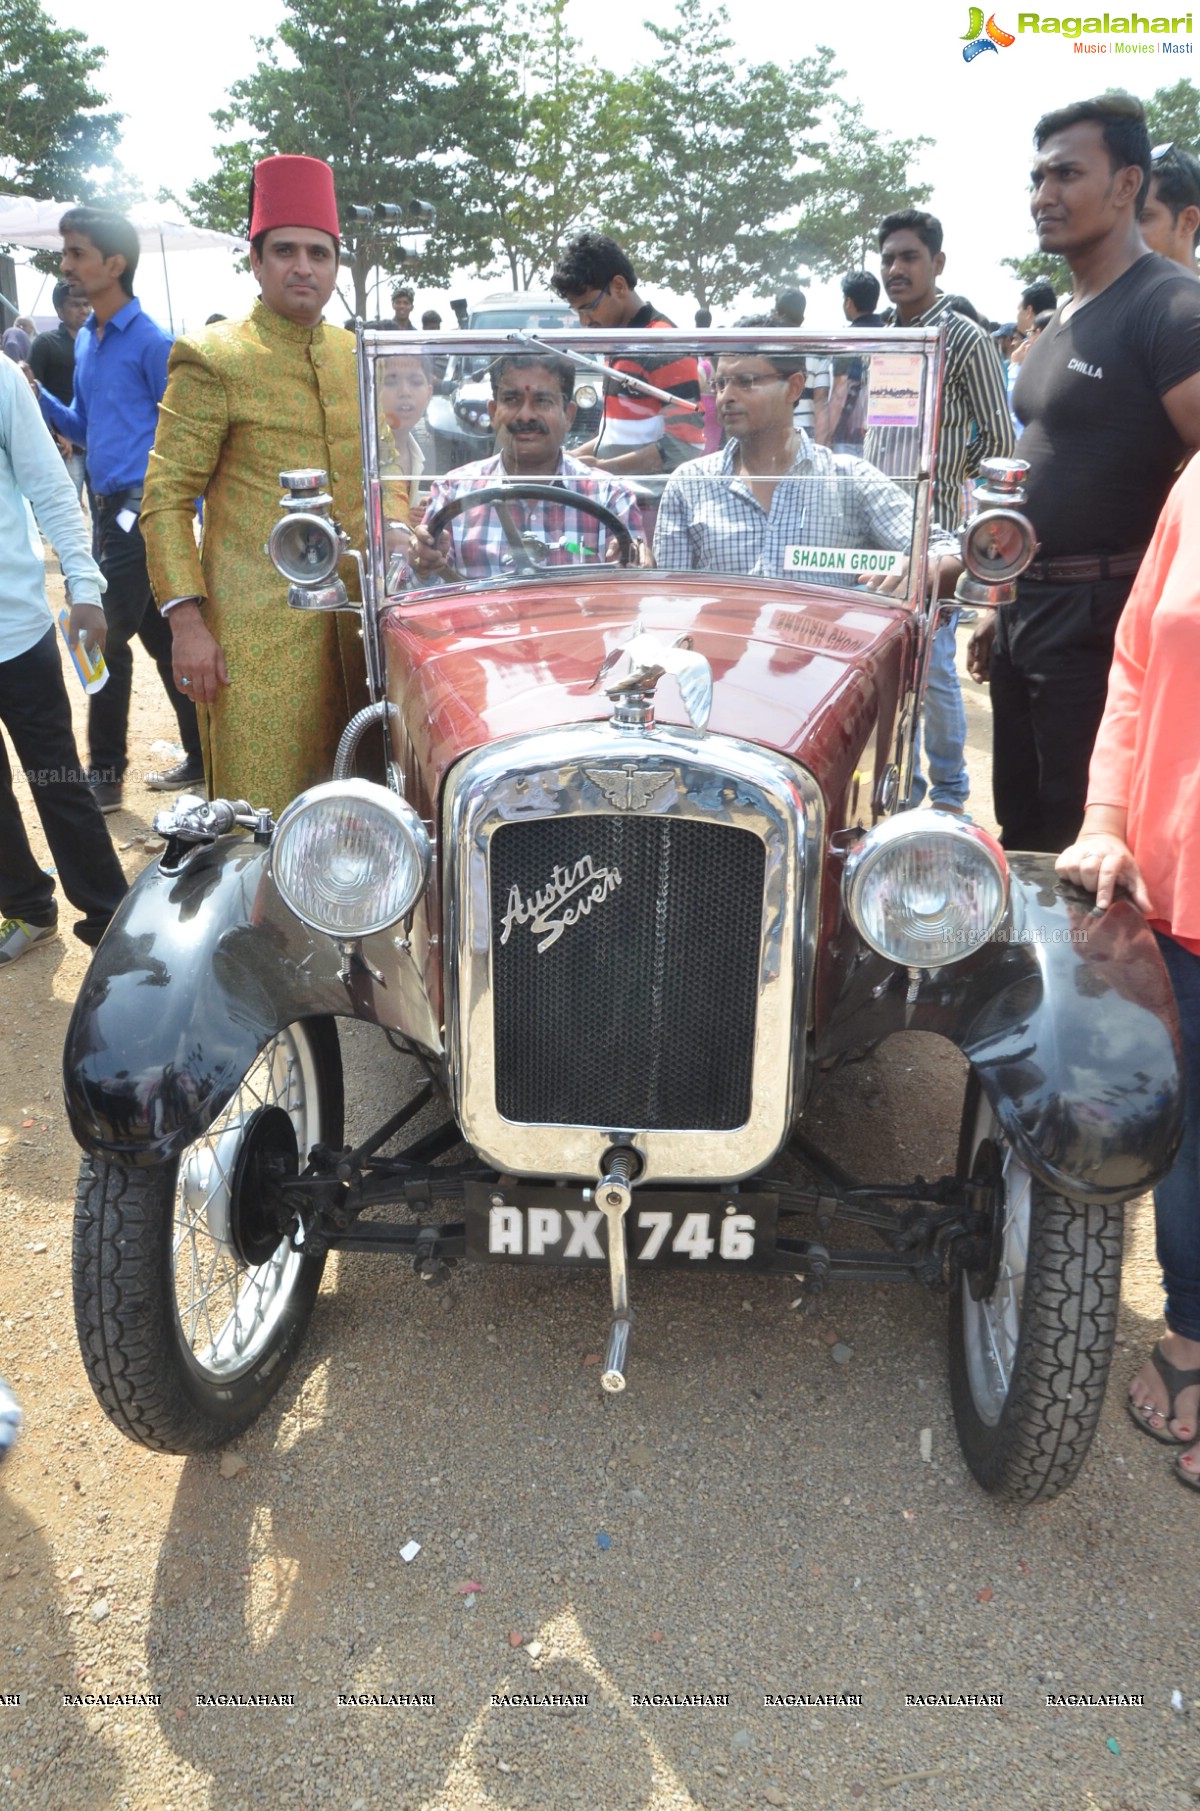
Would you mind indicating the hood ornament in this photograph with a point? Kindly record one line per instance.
(641, 663)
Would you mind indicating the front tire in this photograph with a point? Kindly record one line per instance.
(188, 1308)
(1032, 1328)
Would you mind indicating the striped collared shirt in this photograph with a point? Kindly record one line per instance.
(710, 521)
(975, 424)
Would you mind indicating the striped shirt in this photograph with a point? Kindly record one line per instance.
(633, 419)
(710, 521)
(479, 545)
(975, 424)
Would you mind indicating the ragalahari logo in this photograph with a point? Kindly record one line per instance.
(997, 38)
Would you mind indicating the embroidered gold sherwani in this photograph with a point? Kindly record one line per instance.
(244, 401)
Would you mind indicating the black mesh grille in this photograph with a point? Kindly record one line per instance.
(639, 1015)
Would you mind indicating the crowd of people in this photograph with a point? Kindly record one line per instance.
(744, 454)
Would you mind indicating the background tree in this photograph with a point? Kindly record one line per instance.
(1041, 264)
(55, 142)
(386, 90)
(862, 175)
(709, 171)
(535, 166)
(1173, 116)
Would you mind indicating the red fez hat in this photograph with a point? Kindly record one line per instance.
(293, 191)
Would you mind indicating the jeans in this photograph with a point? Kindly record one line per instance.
(1177, 1199)
(130, 610)
(76, 470)
(76, 467)
(36, 712)
(944, 726)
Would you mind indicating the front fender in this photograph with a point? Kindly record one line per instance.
(1068, 1019)
(197, 970)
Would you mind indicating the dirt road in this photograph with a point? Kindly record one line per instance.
(753, 1520)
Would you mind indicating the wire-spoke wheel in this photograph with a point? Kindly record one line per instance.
(1032, 1325)
(190, 1303)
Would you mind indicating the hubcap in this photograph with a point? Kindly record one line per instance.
(233, 1276)
(992, 1325)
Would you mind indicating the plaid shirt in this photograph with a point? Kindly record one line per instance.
(478, 544)
(710, 521)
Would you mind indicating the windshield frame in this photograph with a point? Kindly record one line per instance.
(376, 343)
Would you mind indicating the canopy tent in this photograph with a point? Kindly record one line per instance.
(34, 224)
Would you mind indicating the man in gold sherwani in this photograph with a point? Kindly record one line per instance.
(244, 401)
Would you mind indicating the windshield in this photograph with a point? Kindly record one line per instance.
(777, 456)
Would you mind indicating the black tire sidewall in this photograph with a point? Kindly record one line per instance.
(1064, 1344)
(138, 1359)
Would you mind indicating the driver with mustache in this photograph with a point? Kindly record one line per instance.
(531, 410)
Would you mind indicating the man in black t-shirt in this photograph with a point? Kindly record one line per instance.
(1110, 398)
(52, 361)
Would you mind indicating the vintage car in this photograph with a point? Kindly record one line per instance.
(632, 865)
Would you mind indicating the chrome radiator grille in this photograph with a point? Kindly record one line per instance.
(625, 960)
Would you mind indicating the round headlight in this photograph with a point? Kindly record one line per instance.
(350, 858)
(305, 548)
(925, 888)
(998, 545)
(586, 397)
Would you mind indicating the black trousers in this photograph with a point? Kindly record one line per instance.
(130, 610)
(36, 712)
(1049, 679)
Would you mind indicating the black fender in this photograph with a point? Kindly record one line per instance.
(197, 971)
(1069, 1021)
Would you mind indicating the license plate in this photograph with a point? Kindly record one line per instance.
(559, 1226)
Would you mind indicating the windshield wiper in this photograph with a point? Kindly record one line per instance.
(617, 379)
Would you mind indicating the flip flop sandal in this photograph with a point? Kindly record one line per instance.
(1176, 1381)
(1189, 1477)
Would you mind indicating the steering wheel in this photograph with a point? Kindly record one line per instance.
(525, 557)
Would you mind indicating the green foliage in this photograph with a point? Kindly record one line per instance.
(536, 157)
(382, 89)
(861, 177)
(54, 140)
(1173, 116)
(709, 172)
(1041, 264)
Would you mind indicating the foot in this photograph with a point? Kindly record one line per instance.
(108, 794)
(17, 938)
(1150, 1399)
(187, 775)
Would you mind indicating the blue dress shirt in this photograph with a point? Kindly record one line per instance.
(119, 381)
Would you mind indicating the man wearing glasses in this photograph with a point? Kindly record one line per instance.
(1110, 399)
(531, 410)
(638, 433)
(1170, 214)
(772, 491)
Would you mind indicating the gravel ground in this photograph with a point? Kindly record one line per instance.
(754, 1516)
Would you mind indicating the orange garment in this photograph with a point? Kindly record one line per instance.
(1147, 754)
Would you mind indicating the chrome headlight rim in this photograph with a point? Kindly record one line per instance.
(307, 577)
(884, 840)
(399, 819)
(989, 521)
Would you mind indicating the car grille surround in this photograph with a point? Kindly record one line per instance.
(630, 936)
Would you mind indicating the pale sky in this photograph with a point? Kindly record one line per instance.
(905, 65)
